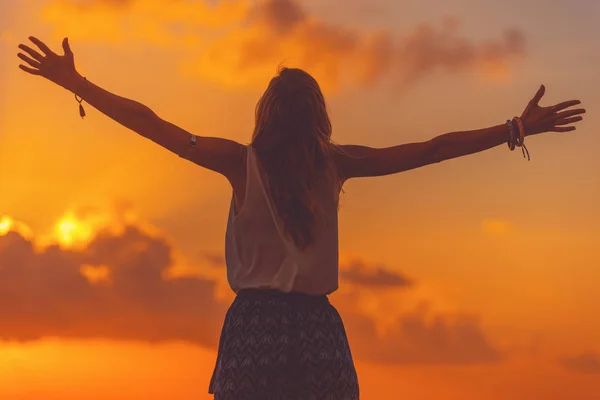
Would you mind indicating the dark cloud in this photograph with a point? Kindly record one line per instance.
(280, 15)
(217, 259)
(46, 292)
(356, 272)
(417, 337)
(347, 53)
(428, 49)
(359, 273)
(588, 363)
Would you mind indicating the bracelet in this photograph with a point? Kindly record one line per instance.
(511, 135)
(517, 121)
(192, 139)
(80, 99)
(521, 139)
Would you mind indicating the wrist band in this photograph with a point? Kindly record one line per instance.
(192, 140)
(80, 99)
(521, 139)
(191, 144)
(521, 127)
(511, 135)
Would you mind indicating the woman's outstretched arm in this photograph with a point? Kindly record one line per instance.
(221, 155)
(363, 161)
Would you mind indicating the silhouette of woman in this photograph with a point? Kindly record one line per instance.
(281, 338)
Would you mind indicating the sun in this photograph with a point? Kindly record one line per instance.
(70, 231)
(65, 230)
(78, 226)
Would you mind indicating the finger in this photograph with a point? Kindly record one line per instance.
(565, 121)
(570, 113)
(535, 100)
(45, 49)
(32, 71)
(29, 61)
(538, 96)
(34, 54)
(562, 129)
(565, 104)
(66, 47)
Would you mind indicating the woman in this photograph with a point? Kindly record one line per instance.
(281, 338)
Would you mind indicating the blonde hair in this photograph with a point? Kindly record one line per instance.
(292, 141)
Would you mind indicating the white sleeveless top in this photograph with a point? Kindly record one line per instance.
(258, 255)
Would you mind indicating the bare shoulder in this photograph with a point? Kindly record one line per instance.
(224, 156)
(351, 160)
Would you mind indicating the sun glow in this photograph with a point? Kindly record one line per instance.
(70, 231)
(78, 226)
(5, 225)
(95, 273)
(8, 224)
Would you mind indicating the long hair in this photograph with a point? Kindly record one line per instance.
(292, 140)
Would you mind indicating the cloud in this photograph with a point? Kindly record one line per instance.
(356, 271)
(417, 337)
(175, 24)
(359, 273)
(587, 363)
(46, 293)
(241, 43)
(115, 284)
(281, 30)
(217, 259)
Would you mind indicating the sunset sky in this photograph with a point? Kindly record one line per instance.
(476, 278)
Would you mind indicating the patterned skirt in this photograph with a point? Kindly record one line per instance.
(284, 346)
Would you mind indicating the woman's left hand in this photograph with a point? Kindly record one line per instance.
(537, 119)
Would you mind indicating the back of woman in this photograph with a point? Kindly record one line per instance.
(282, 227)
(282, 338)
(260, 253)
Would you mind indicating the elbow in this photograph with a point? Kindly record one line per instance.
(146, 114)
(145, 123)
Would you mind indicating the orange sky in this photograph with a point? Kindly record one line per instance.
(471, 279)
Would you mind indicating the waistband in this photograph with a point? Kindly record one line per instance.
(268, 294)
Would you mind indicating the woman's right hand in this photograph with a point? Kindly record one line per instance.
(59, 69)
